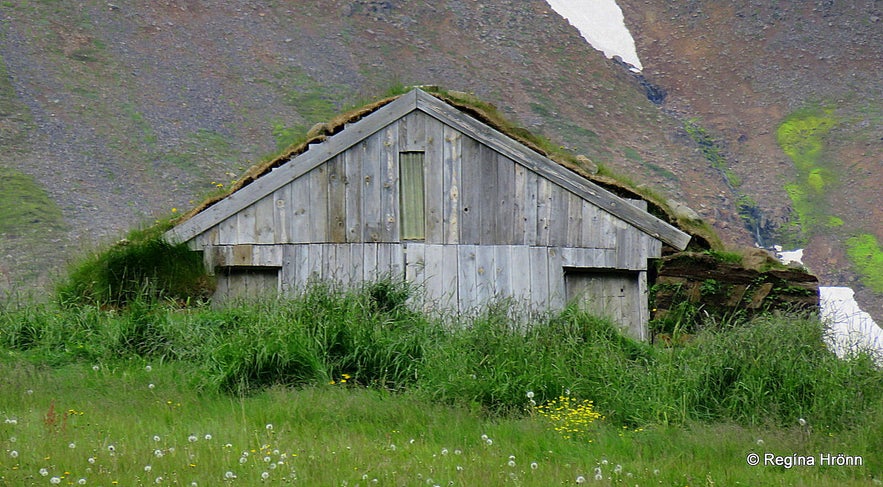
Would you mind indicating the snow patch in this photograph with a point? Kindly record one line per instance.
(850, 329)
(602, 24)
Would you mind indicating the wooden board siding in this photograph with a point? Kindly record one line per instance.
(472, 195)
(619, 296)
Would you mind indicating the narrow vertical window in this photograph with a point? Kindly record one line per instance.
(413, 218)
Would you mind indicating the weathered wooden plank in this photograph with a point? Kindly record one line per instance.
(574, 221)
(336, 217)
(300, 165)
(264, 232)
(551, 170)
(519, 200)
(467, 288)
(641, 309)
(300, 212)
(301, 266)
(245, 225)
(505, 226)
(503, 271)
(544, 211)
(557, 292)
(287, 284)
(433, 199)
(415, 266)
(372, 185)
(396, 258)
(539, 277)
(412, 132)
(451, 183)
(242, 255)
(433, 284)
(319, 204)
(354, 160)
(450, 276)
(531, 208)
(589, 229)
(484, 274)
(519, 263)
(489, 195)
(390, 187)
(281, 211)
(315, 262)
(470, 192)
(371, 269)
(558, 217)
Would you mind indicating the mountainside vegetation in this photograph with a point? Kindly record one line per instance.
(121, 112)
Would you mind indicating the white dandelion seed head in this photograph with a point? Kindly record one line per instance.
(12, 421)
(599, 477)
(597, 470)
(147, 468)
(158, 480)
(269, 426)
(44, 472)
(208, 437)
(158, 453)
(71, 445)
(267, 459)
(192, 438)
(242, 460)
(96, 368)
(111, 448)
(484, 437)
(91, 460)
(392, 447)
(55, 480)
(151, 386)
(12, 439)
(530, 394)
(533, 465)
(580, 480)
(802, 422)
(156, 438)
(617, 468)
(760, 441)
(511, 464)
(148, 368)
(459, 468)
(265, 475)
(13, 454)
(444, 451)
(458, 452)
(81, 482)
(489, 441)
(229, 475)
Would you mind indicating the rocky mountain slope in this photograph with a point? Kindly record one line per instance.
(114, 113)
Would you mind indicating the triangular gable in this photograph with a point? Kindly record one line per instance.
(447, 114)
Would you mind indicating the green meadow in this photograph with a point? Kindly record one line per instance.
(353, 388)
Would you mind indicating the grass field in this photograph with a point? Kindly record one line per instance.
(339, 388)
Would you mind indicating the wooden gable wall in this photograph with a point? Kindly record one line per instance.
(473, 195)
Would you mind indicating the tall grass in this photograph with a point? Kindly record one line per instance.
(771, 370)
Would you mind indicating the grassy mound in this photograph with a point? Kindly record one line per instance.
(140, 266)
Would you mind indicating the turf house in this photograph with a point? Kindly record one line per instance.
(420, 188)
